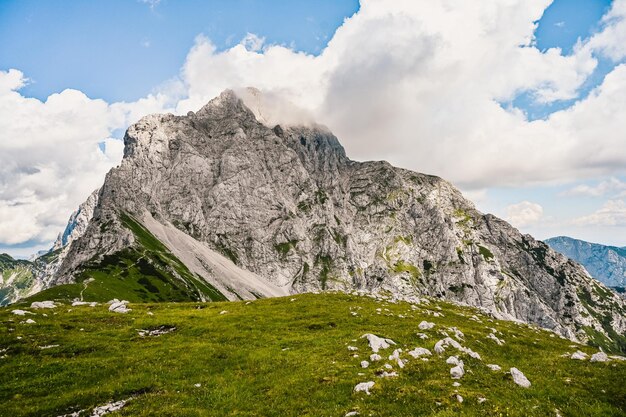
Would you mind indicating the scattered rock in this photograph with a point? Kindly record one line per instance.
(30, 321)
(386, 374)
(578, 355)
(352, 414)
(495, 338)
(452, 360)
(494, 367)
(353, 348)
(21, 312)
(481, 400)
(42, 304)
(418, 351)
(365, 364)
(422, 336)
(376, 343)
(375, 357)
(364, 387)
(156, 332)
(118, 306)
(456, 384)
(519, 378)
(425, 325)
(48, 347)
(459, 398)
(457, 372)
(599, 357)
(223, 312)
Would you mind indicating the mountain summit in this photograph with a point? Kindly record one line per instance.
(219, 205)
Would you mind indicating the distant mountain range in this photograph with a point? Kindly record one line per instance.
(605, 263)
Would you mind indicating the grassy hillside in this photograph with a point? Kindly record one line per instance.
(289, 357)
(145, 272)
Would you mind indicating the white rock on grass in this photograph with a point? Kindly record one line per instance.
(352, 414)
(117, 306)
(578, 355)
(21, 312)
(441, 345)
(375, 357)
(481, 400)
(30, 321)
(495, 338)
(42, 304)
(353, 348)
(459, 398)
(458, 371)
(376, 343)
(425, 325)
(599, 357)
(365, 364)
(386, 374)
(452, 360)
(364, 387)
(418, 351)
(494, 367)
(422, 336)
(519, 378)
(395, 355)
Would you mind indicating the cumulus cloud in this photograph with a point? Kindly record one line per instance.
(416, 82)
(611, 186)
(49, 158)
(612, 213)
(420, 83)
(524, 214)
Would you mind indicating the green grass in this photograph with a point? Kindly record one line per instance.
(145, 272)
(277, 357)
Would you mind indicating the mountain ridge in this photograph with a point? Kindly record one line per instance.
(606, 263)
(287, 205)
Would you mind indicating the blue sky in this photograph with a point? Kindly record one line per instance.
(124, 50)
(119, 50)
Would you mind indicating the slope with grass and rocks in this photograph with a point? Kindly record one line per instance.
(251, 210)
(328, 354)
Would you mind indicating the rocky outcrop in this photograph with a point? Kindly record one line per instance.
(605, 263)
(286, 204)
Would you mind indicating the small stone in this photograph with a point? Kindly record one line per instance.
(599, 357)
(494, 367)
(365, 364)
(578, 355)
(519, 378)
(364, 387)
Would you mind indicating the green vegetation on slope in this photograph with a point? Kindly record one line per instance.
(277, 357)
(145, 272)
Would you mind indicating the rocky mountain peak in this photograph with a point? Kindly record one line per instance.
(255, 204)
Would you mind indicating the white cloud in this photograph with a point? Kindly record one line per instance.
(418, 83)
(49, 158)
(524, 214)
(613, 213)
(611, 186)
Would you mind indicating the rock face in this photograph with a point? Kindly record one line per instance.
(605, 263)
(20, 279)
(260, 210)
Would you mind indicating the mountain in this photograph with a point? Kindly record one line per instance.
(605, 263)
(20, 278)
(217, 205)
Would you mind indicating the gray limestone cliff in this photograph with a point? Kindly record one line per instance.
(260, 210)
